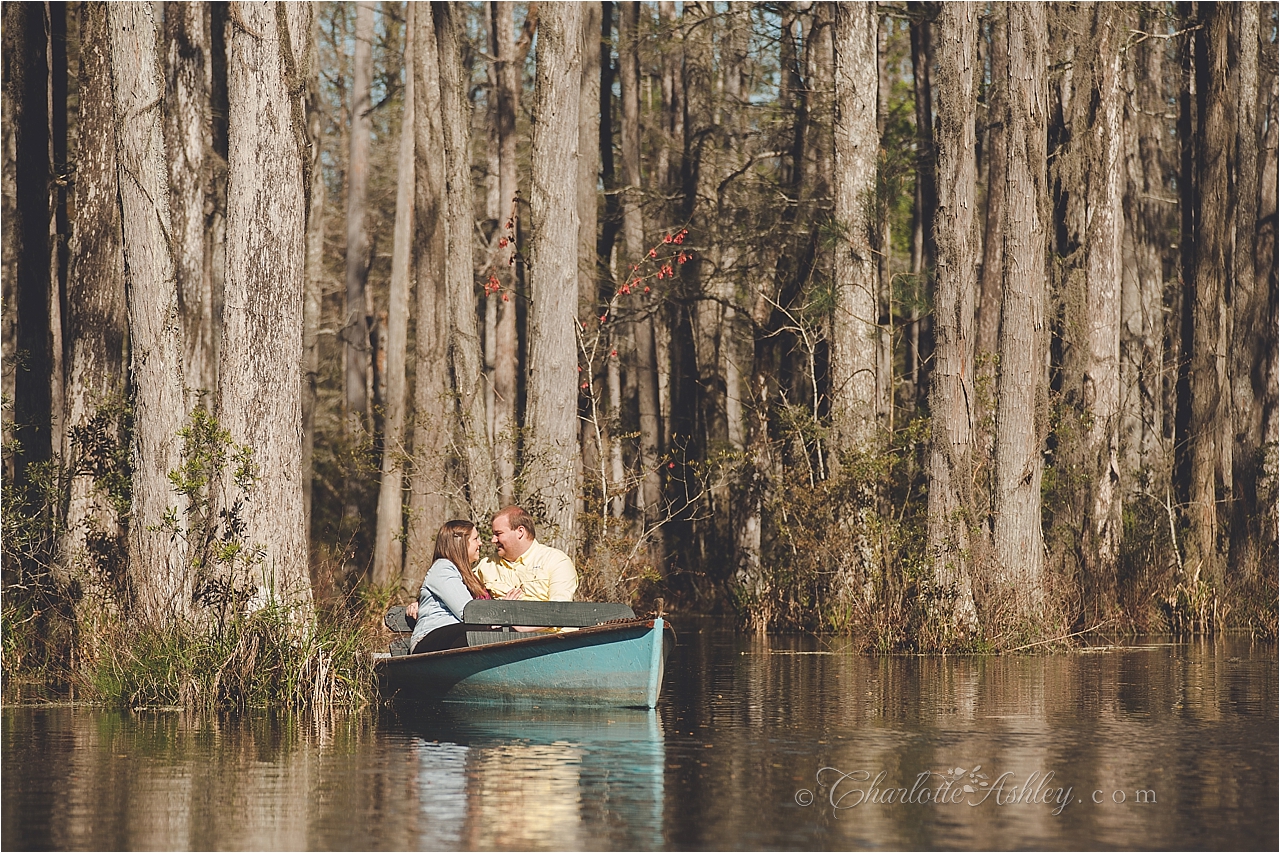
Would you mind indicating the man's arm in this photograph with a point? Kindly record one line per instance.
(561, 575)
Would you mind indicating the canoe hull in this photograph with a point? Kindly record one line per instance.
(614, 665)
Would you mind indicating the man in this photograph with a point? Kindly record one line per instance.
(542, 573)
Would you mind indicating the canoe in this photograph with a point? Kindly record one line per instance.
(613, 659)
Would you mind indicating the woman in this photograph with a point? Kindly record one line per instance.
(447, 588)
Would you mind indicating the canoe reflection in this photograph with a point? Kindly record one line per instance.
(490, 777)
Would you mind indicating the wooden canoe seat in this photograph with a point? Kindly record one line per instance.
(544, 614)
(535, 614)
(398, 621)
(483, 616)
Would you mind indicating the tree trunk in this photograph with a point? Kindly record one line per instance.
(388, 551)
(1018, 542)
(597, 432)
(552, 457)
(12, 92)
(885, 308)
(923, 250)
(464, 347)
(996, 153)
(216, 189)
(674, 105)
(161, 584)
(951, 507)
(313, 298)
(97, 313)
(1104, 259)
(1249, 333)
(1266, 372)
(1188, 207)
(856, 401)
(356, 329)
(662, 171)
(1213, 141)
(29, 286)
(1142, 344)
(430, 500)
(57, 222)
(188, 139)
(259, 390)
(506, 345)
(646, 365)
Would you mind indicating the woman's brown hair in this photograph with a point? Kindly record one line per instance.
(451, 545)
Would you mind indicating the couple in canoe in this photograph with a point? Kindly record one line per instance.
(524, 568)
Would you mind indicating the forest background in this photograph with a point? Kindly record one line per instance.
(947, 326)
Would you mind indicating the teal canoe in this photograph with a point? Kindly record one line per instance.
(612, 660)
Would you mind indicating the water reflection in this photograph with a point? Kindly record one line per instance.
(1196, 723)
(745, 726)
(533, 779)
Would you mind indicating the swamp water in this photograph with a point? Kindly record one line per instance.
(758, 743)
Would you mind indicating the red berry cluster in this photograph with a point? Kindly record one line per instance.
(666, 267)
(508, 239)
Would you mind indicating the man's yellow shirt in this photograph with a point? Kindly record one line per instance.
(543, 572)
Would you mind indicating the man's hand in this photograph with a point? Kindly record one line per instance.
(411, 610)
(513, 594)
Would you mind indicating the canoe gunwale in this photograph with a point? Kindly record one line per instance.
(521, 640)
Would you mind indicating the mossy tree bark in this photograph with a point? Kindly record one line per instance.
(97, 314)
(551, 460)
(1148, 219)
(1265, 313)
(996, 154)
(952, 514)
(259, 387)
(188, 138)
(1208, 353)
(1252, 335)
(431, 500)
(1018, 541)
(924, 251)
(160, 582)
(856, 400)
